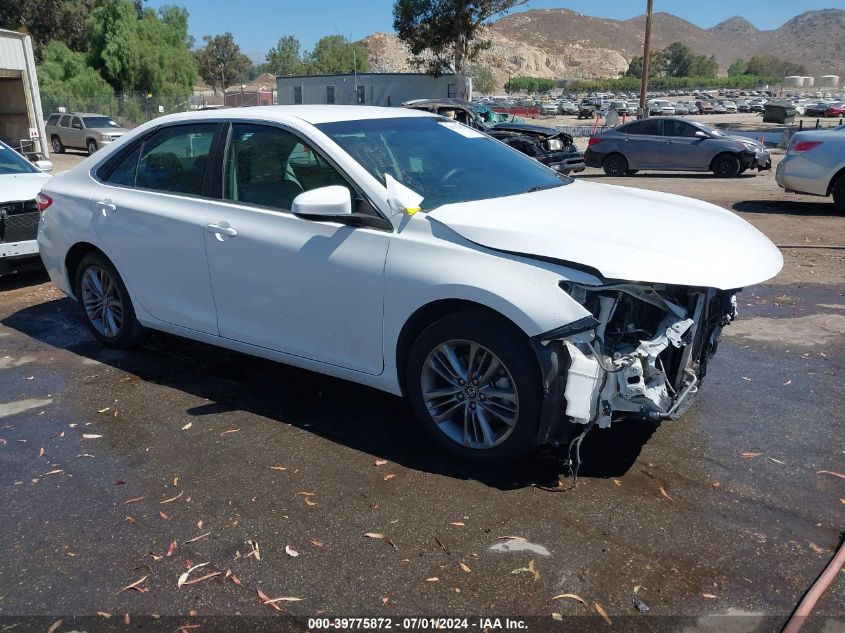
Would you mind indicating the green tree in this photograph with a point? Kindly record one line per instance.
(656, 65)
(529, 84)
(334, 54)
(112, 43)
(679, 60)
(704, 66)
(63, 72)
(483, 80)
(221, 63)
(444, 34)
(772, 66)
(284, 58)
(737, 68)
(47, 20)
(166, 65)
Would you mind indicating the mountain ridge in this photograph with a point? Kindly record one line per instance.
(564, 44)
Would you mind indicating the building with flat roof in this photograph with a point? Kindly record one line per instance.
(379, 89)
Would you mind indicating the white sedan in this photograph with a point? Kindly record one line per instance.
(20, 181)
(512, 305)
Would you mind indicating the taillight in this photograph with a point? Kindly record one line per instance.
(593, 140)
(43, 201)
(804, 146)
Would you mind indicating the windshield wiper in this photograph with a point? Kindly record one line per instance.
(543, 187)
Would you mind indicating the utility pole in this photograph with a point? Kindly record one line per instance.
(646, 55)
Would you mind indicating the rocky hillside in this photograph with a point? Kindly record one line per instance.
(559, 43)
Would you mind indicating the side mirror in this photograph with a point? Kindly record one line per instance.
(702, 134)
(326, 202)
(44, 165)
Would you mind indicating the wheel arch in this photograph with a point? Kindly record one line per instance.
(833, 181)
(74, 257)
(427, 314)
(725, 152)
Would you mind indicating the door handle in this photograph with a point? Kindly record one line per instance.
(218, 230)
(106, 205)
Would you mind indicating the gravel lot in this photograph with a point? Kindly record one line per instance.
(721, 519)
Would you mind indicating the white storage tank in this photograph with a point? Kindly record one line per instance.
(829, 81)
(793, 81)
(808, 82)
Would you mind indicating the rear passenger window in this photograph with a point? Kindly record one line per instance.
(174, 158)
(649, 127)
(65, 121)
(124, 173)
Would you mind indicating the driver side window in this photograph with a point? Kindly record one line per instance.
(269, 167)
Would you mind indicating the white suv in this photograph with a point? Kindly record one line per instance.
(815, 164)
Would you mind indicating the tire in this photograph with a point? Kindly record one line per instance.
(471, 404)
(631, 172)
(114, 324)
(726, 166)
(838, 191)
(91, 145)
(615, 165)
(58, 147)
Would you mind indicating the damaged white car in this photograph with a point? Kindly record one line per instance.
(512, 305)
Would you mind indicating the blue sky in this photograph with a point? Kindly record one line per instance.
(258, 24)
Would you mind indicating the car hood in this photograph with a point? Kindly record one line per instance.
(111, 131)
(624, 233)
(17, 187)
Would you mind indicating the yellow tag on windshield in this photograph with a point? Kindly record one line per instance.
(411, 210)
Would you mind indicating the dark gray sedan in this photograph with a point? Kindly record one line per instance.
(670, 144)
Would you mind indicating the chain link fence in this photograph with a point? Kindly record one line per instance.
(127, 109)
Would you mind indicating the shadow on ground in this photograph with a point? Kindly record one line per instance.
(359, 417)
(787, 207)
(663, 175)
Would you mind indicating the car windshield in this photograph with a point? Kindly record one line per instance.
(99, 121)
(13, 163)
(441, 160)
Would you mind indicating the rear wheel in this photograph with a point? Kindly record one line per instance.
(106, 303)
(726, 166)
(615, 165)
(57, 145)
(475, 386)
(838, 192)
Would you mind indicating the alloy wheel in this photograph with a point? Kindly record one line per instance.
(470, 394)
(102, 302)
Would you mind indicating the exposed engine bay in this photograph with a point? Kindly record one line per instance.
(645, 352)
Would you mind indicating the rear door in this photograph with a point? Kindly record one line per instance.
(681, 148)
(641, 143)
(149, 213)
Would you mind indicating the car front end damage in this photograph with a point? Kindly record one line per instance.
(551, 147)
(642, 354)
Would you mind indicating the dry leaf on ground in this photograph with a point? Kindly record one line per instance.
(665, 494)
(181, 492)
(55, 626)
(570, 596)
(458, 523)
(465, 567)
(134, 584)
(278, 467)
(510, 538)
(380, 462)
(91, 436)
(187, 426)
(290, 551)
(750, 454)
(197, 538)
(171, 548)
(830, 472)
(229, 431)
(184, 577)
(201, 578)
(266, 600)
(374, 535)
(600, 610)
(709, 596)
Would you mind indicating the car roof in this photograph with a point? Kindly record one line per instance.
(80, 114)
(314, 114)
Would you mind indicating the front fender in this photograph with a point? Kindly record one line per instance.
(429, 262)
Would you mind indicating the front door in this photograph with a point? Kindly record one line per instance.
(149, 213)
(681, 148)
(309, 288)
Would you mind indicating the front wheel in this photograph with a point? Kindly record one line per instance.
(92, 146)
(106, 303)
(615, 165)
(475, 386)
(726, 166)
